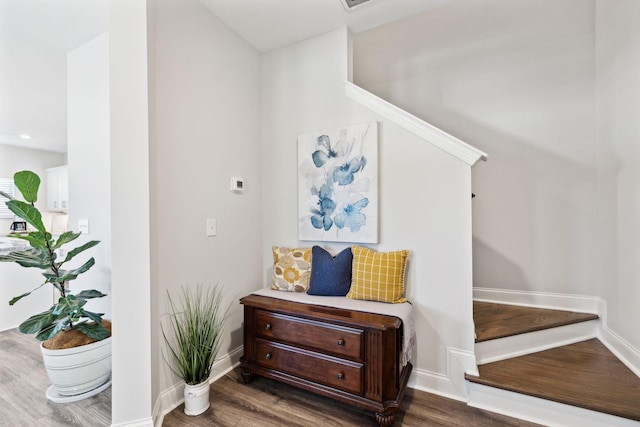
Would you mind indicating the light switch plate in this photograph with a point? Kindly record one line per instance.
(83, 226)
(212, 227)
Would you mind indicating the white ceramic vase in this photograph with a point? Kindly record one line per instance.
(196, 398)
(79, 370)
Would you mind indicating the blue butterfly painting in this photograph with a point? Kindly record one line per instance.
(351, 216)
(336, 172)
(322, 155)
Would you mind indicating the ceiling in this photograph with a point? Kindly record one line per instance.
(270, 24)
(35, 36)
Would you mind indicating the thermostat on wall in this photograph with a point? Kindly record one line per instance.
(236, 185)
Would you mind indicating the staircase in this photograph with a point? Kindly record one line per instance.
(548, 367)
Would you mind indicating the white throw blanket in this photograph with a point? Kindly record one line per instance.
(404, 311)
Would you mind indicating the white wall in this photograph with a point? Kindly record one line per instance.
(514, 79)
(618, 94)
(205, 116)
(33, 90)
(425, 200)
(89, 163)
(17, 280)
(15, 159)
(129, 152)
(297, 95)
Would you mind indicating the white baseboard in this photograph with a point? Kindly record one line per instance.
(628, 354)
(172, 397)
(452, 384)
(145, 422)
(433, 382)
(577, 303)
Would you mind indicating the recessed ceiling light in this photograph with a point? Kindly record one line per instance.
(24, 136)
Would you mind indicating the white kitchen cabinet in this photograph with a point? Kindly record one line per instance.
(58, 189)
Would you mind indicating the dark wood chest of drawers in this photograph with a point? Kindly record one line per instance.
(347, 355)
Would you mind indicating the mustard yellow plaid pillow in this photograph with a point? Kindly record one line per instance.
(378, 276)
(291, 269)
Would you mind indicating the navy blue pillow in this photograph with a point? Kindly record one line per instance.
(330, 276)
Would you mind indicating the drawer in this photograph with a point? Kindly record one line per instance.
(331, 371)
(327, 338)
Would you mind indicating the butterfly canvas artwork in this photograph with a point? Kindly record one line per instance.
(338, 184)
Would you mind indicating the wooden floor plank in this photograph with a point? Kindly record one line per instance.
(584, 374)
(494, 321)
(263, 403)
(24, 382)
(266, 402)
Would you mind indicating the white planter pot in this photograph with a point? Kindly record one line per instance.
(78, 370)
(196, 398)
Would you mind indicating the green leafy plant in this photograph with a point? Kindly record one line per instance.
(68, 313)
(196, 324)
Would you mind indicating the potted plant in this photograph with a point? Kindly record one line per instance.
(76, 343)
(196, 326)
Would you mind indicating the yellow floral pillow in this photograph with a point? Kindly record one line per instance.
(291, 269)
(378, 276)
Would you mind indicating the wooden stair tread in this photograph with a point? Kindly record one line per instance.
(585, 374)
(494, 321)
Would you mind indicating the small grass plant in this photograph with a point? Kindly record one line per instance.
(197, 321)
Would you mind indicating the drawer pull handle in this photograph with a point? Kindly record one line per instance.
(341, 342)
(267, 356)
(268, 327)
(340, 376)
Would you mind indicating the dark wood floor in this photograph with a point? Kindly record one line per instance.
(584, 374)
(494, 321)
(265, 402)
(24, 382)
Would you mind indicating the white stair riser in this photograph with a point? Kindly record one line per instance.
(533, 342)
(540, 411)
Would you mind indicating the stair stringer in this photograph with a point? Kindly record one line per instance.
(435, 136)
(540, 411)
